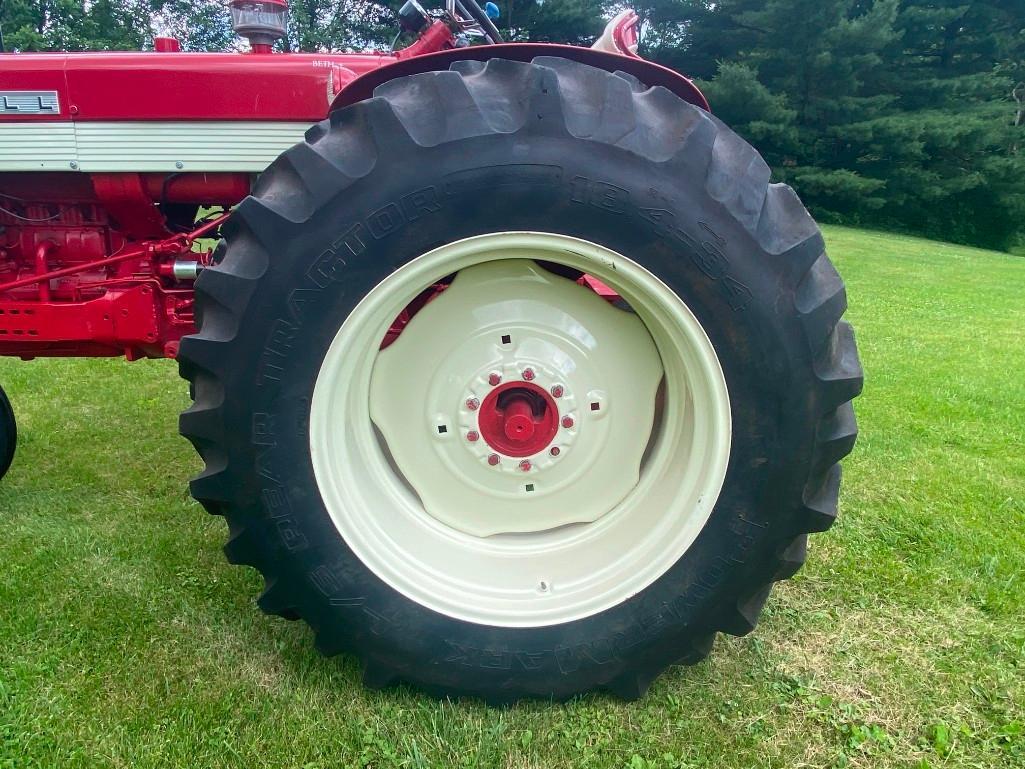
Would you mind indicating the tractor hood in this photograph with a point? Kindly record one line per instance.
(114, 86)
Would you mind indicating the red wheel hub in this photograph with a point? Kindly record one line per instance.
(518, 419)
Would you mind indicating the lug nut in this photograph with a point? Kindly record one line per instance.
(557, 391)
(494, 378)
(493, 459)
(472, 436)
(472, 404)
(555, 451)
(567, 421)
(528, 374)
(525, 465)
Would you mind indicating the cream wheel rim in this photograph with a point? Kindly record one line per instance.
(587, 483)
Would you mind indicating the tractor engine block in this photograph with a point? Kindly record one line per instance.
(103, 264)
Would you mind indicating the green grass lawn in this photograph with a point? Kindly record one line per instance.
(126, 639)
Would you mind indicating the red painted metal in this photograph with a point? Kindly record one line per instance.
(116, 305)
(43, 252)
(137, 321)
(205, 86)
(518, 419)
(625, 34)
(647, 72)
(169, 85)
(411, 309)
(166, 45)
(603, 290)
(437, 37)
(184, 86)
(35, 72)
(125, 199)
(178, 245)
(218, 189)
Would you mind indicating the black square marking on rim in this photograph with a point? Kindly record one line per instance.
(529, 487)
(595, 405)
(442, 429)
(506, 339)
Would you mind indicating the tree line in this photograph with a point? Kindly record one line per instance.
(899, 114)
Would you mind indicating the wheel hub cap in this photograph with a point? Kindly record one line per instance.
(517, 401)
(518, 419)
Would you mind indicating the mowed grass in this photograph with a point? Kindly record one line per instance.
(127, 640)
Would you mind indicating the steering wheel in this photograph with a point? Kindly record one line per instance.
(472, 9)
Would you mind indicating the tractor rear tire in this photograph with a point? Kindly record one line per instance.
(660, 455)
(8, 434)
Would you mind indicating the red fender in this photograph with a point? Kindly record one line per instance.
(647, 72)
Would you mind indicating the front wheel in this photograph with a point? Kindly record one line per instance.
(521, 380)
(8, 434)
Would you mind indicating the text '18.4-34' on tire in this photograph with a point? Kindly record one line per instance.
(521, 380)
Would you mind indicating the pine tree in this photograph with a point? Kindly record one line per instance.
(793, 81)
(947, 146)
(877, 111)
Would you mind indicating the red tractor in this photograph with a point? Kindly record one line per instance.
(512, 372)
